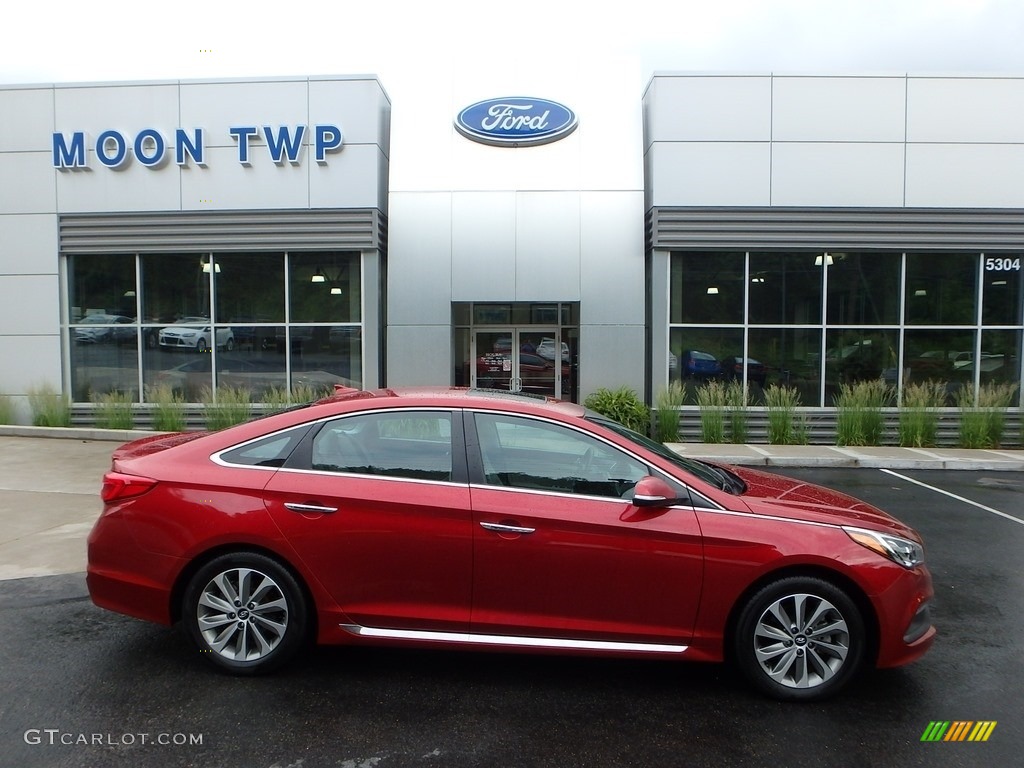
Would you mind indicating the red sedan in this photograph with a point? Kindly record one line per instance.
(457, 518)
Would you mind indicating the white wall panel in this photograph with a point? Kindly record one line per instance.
(483, 247)
(38, 359)
(612, 356)
(28, 244)
(36, 312)
(708, 108)
(26, 120)
(547, 246)
(700, 173)
(977, 110)
(355, 177)
(419, 355)
(359, 107)
(419, 258)
(965, 175)
(837, 175)
(612, 261)
(850, 109)
(124, 108)
(132, 188)
(228, 184)
(217, 107)
(27, 183)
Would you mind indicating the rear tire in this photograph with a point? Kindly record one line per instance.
(246, 613)
(800, 638)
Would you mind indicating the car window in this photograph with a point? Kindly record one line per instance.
(415, 445)
(270, 451)
(537, 455)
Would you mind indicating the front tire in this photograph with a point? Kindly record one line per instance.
(245, 613)
(800, 638)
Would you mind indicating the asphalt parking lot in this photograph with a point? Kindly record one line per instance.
(83, 687)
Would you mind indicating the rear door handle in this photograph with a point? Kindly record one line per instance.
(503, 528)
(296, 507)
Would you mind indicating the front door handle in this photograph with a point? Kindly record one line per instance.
(504, 528)
(296, 507)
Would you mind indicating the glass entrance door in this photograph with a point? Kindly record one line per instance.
(531, 360)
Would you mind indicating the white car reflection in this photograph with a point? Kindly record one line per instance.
(195, 333)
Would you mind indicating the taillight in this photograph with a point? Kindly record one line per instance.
(118, 486)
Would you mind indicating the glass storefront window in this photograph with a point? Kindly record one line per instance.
(853, 355)
(863, 288)
(788, 357)
(700, 355)
(785, 288)
(707, 288)
(248, 343)
(1000, 359)
(101, 284)
(1002, 289)
(249, 287)
(941, 288)
(324, 287)
(175, 286)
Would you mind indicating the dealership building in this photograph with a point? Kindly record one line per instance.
(807, 231)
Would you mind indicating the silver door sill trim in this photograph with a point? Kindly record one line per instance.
(523, 642)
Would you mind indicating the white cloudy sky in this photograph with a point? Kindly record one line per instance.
(408, 43)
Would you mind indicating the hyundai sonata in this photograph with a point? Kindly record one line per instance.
(464, 519)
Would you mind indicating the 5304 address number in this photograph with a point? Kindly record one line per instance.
(993, 264)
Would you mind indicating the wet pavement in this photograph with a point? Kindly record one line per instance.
(83, 687)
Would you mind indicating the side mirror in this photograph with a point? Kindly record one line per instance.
(653, 492)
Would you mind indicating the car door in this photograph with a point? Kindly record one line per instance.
(377, 506)
(559, 549)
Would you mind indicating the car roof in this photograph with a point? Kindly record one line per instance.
(457, 397)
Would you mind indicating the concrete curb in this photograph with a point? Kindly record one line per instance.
(75, 433)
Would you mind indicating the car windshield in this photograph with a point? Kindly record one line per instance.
(709, 473)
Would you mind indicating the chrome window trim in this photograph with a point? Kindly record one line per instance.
(363, 476)
(595, 436)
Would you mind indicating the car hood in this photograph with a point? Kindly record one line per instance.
(771, 494)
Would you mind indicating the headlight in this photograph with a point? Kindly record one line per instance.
(902, 551)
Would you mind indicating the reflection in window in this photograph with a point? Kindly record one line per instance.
(414, 445)
(101, 284)
(538, 456)
(785, 288)
(699, 355)
(854, 355)
(707, 288)
(863, 288)
(788, 357)
(324, 287)
(1002, 289)
(941, 288)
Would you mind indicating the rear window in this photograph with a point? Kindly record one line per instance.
(272, 451)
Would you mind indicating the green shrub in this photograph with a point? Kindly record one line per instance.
(712, 400)
(666, 420)
(622, 405)
(168, 410)
(49, 407)
(114, 410)
(919, 417)
(7, 412)
(226, 407)
(783, 428)
(736, 398)
(860, 420)
(983, 419)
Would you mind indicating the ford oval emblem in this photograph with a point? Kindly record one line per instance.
(515, 122)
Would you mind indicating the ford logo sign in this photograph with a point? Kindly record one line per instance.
(515, 122)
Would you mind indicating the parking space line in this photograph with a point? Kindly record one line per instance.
(954, 496)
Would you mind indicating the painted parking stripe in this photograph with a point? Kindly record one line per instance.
(954, 496)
